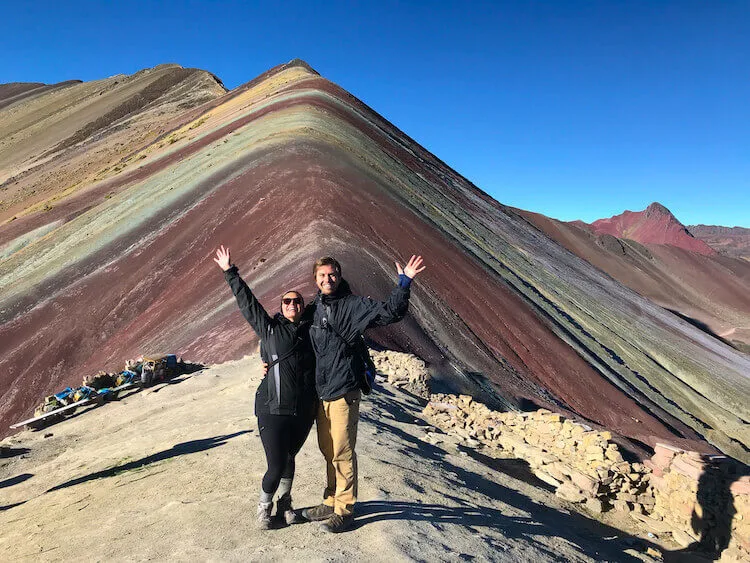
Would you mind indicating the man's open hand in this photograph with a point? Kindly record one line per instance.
(413, 267)
(222, 258)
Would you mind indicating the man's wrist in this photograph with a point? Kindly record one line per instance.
(404, 281)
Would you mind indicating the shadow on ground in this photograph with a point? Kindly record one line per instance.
(716, 503)
(592, 537)
(9, 506)
(700, 325)
(183, 448)
(186, 369)
(7, 451)
(15, 480)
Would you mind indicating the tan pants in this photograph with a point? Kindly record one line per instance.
(337, 438)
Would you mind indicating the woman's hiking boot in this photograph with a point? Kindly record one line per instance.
(320, 512)
(284, 509)
(337, 523)
(264, 515)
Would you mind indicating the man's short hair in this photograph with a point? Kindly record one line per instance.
(326, 261)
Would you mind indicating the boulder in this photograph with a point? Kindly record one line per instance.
(568, 491)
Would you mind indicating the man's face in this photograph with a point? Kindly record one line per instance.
(327, 279)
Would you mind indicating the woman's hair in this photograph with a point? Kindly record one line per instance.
(326, 261)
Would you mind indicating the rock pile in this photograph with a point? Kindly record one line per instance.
(582, 464)
(681, 493)
(403, 370)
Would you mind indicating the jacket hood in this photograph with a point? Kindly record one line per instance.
(281, 319)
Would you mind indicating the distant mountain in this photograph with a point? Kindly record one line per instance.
(731, 241)
(708, 290)
(57, 139)
(655, 225)
(16, 92)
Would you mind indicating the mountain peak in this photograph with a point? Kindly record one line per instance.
(657, 208)
(654, 225)
(301, 63)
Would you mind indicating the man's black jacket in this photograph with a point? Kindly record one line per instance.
(338, 321)
(289, 387)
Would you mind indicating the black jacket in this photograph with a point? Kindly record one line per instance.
(338, 321)
(289, 387)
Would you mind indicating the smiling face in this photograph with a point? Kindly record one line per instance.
(291, 306)
(327, 279)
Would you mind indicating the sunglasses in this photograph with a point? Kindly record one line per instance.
(290, 300)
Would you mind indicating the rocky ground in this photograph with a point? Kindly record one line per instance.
(172, 472)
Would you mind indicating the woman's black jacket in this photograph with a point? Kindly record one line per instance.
(289, 386)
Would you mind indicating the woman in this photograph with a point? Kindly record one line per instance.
(286, 401)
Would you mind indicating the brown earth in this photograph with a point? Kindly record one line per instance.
(709, 292)
(731, 241)
(43, 157)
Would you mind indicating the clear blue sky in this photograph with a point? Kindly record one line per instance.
(577, 110)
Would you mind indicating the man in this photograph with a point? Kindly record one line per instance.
(339, 319)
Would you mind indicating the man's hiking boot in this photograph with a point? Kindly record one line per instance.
(264, 515)
(284, 509)
(320, 512)
(337, 523)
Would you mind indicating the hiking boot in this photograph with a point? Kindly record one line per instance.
(320, 512)
(337, 523)
(284, 508)
(264, 515)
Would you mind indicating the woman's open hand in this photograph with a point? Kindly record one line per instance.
(222, 258)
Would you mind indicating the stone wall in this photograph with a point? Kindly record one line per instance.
(692, 497)
(702, 498)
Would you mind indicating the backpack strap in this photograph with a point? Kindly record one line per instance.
(291, 351)
(368, 377)
(333, 327)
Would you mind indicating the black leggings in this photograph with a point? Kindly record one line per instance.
(283, 436)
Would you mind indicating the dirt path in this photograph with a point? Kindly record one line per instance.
(173, 473)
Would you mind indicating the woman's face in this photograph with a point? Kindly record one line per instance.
(291, 306)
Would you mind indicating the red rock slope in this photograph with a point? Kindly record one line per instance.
(655, 225)
(290, 167)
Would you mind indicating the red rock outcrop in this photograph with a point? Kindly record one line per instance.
(655, 225)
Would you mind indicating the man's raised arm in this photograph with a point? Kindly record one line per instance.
(394, 308)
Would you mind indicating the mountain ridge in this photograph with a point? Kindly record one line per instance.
(730, 241)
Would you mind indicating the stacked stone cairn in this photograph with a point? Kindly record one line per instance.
(586, 467)
(403, 370)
